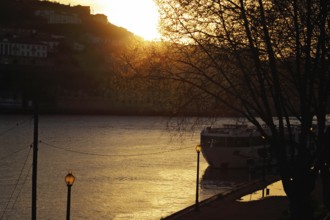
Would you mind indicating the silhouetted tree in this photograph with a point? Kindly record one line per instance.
(266, 59)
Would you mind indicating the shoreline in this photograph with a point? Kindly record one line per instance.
(240, 191)
(228, 206)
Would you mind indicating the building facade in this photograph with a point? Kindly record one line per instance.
(23, 52)
(22, 49)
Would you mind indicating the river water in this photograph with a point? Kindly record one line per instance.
(125, 167)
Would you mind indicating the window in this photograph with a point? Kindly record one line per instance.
(6, 49)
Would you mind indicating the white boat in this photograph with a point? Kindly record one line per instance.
(233, 146)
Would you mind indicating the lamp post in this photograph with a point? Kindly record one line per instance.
(198, 150)
(69, 180)
(264, 166)
(264, 155)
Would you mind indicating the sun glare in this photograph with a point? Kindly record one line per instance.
(138, 16)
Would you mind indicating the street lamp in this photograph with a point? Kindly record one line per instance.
(69, 180)
(264, 155)
(198, 150)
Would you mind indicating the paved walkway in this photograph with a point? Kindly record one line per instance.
(228, 208)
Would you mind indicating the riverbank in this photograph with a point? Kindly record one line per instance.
(229, 207)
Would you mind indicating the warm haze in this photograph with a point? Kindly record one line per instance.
(138, 16)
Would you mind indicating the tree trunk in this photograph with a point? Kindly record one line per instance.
(325, 175)
(301, 207)
(298, 179)
(325, 168)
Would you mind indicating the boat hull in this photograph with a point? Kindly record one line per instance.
(238, 157)
(233, 148)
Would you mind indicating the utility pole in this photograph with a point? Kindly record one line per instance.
(35, 162)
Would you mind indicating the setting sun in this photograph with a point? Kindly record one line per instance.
(138, 16)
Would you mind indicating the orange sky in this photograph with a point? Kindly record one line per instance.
(137, 16)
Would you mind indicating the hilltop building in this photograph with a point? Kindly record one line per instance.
(101, 18)
(58, 18)
(61, 14)
(23, 52)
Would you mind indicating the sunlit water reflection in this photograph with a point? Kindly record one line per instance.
(125, 168)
